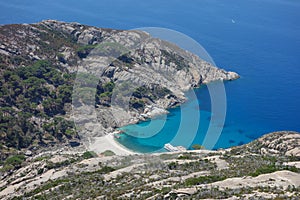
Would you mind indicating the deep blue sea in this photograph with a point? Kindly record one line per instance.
(262, 45)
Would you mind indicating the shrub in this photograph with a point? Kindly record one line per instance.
(198, 147)
(203, 180)
(15, 160)
(264, 170)
(89, 154)
(172, 165)
(108, 153)
(84, 51)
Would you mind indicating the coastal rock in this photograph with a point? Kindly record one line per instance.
(281, 143)
(152, 111)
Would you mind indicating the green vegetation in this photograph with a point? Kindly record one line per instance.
(144, 94)
(104, 93)
(138, 99)
(41, 158)
(137, 104)
(176, 59)
(108, 153)
(195, 166)
(51, 165)
(30, 99)
(188, 156)
(47, 186)
(103, 170)
(92, 184)
(198, 147)
(172, 165)
(273, 168)
(89, 154)
(203, 180)
(35, 97)
(83, 51)
(167, 156)
(153, 93)
(68, 184)
(15, 160)
(12, 162)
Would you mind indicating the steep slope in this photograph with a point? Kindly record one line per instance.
(112, 71)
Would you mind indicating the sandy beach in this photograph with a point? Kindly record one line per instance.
(108, 142)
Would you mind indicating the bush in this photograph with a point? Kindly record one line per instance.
(185, 157)
(172, 165)
(273, 168)
(108, 153)
(15, 160)
(106, 169)
(84, 51)
(89, 154)
(137, 104)
(264, 170)
(198, 147)
(203, 180)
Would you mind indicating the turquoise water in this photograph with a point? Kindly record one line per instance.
(234, 132)
(263, 46)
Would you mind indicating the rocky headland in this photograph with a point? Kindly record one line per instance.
(100, 78)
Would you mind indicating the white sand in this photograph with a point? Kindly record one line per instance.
(108, 142)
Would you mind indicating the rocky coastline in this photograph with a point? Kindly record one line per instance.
(121, 77)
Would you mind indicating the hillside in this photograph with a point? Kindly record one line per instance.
(107, 78)
(252, 171)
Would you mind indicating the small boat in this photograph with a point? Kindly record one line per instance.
(232, 21)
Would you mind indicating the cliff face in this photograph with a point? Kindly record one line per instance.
(102, 64)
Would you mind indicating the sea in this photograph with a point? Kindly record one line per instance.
(259, 39)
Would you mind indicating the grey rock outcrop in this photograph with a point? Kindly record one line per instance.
(281, 143)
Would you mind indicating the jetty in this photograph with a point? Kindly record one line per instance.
(172, 148)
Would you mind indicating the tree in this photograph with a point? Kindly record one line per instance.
(198, 147)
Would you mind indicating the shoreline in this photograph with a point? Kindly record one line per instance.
(108, 142)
